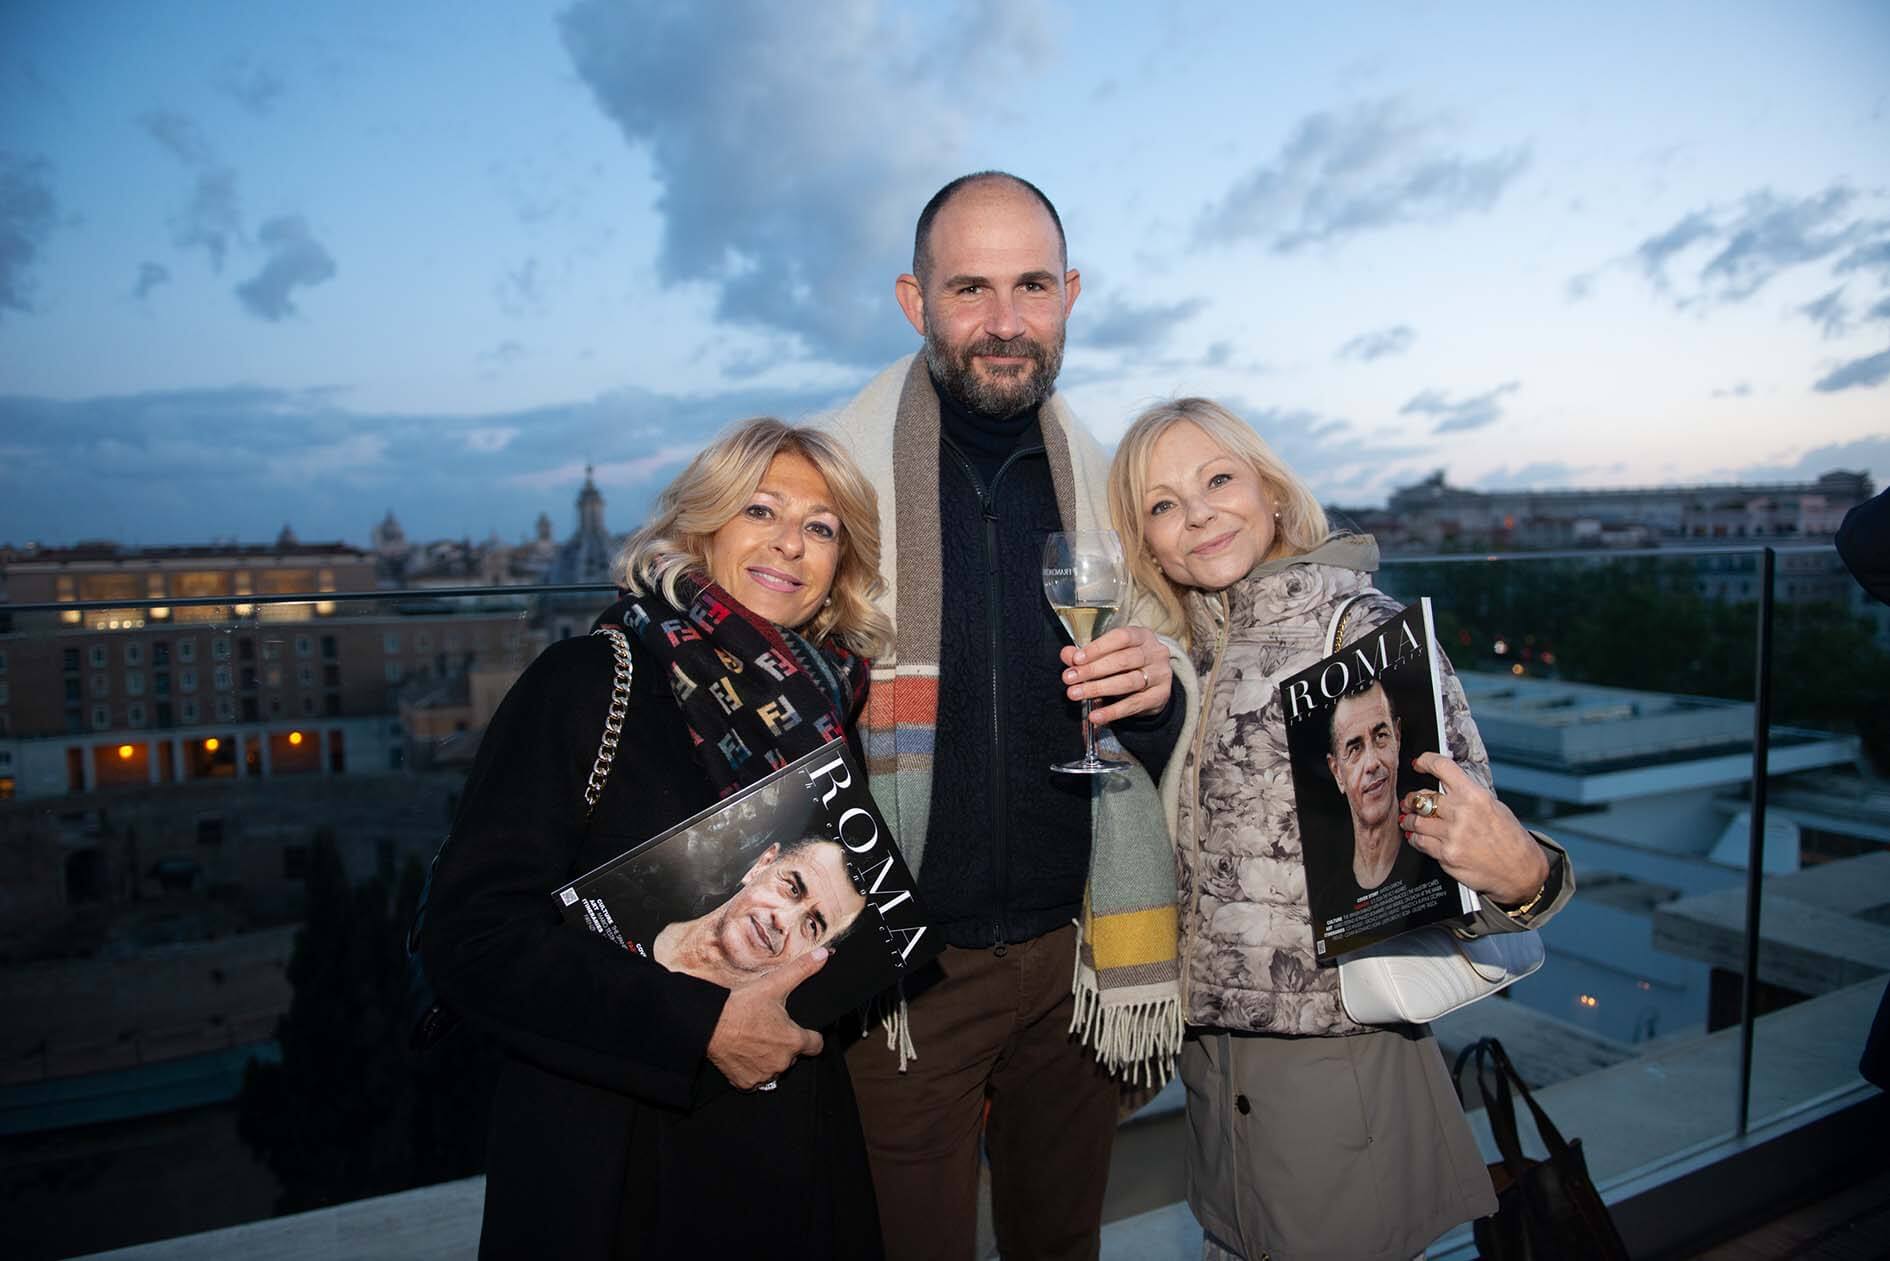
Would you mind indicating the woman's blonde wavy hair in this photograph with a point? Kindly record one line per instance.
(1302, 527)
(719, 482)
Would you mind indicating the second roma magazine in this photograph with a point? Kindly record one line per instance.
(1354, 722)
(797, 860)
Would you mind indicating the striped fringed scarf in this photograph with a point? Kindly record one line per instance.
(1128, 1007)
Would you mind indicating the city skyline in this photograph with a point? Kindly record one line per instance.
(264, 266)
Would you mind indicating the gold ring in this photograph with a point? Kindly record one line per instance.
(1426, 804)
(1144, 678)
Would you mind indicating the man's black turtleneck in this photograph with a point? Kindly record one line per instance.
(1007, 858)
(984, 440)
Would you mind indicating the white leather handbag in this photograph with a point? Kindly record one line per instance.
(1418, 976)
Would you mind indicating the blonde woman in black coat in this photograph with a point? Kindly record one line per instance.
(630, 1118)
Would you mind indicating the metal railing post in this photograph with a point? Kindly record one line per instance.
(1755, 841)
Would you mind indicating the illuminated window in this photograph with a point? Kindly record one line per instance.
(200, 584)
(285, 581)
(154, 586)
(67, 592)
(108, 587)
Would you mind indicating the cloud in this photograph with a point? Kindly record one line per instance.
(1740, 389)
(614, 472)
(1579, 288)
(490, 439)
(153, 468)
(1544, 473)
(794, 154)
(507, 351)
(1341, 174)
(253, 87)
(517, 289)
(1471, 413)
(350, 457)
(1727, 254)
(212, 219)
(1379, 343)
(1857, 374)
(150, 276)
(1829, 313)
(295, 259)
(1870, 453)
(1128, 326)
(28, 214)
(1871, 256)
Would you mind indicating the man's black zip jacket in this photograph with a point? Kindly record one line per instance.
(1007, 846)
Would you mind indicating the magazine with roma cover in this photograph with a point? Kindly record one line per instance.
(794, 861)
(1354, 722)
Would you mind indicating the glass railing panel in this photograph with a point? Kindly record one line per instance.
(1824, 940)
(190, 794)
(1613, 694)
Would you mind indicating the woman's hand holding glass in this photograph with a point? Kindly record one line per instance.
(1127, 666)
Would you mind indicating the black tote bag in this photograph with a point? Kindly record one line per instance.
(1545, 1209)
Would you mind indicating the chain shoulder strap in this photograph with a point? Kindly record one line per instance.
(1342, 621)
(613, 721)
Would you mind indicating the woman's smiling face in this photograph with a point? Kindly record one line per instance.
(1207, 517)
(779, 553)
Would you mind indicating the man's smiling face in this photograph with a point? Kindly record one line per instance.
(787, 905)
(1364, 756)
(994, 301)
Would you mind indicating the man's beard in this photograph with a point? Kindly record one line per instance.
(1003, 393)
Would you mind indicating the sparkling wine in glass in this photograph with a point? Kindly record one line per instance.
(1086, 582)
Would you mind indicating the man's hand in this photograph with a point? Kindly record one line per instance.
(1474, 835)
(755, 1041)
(1128, 662)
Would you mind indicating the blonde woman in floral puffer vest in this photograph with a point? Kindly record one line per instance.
(1311, 1137)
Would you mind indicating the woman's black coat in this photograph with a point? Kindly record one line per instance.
(612, 1135)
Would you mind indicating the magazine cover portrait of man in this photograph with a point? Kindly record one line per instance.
(1354, 723)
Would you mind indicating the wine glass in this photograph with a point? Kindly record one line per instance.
(1086, 582)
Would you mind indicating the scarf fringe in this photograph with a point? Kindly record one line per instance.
(896, 1019)
(1136, 1041)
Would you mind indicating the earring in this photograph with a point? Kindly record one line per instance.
(827, 603)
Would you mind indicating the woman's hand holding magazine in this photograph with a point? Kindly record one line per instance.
(1474, 835)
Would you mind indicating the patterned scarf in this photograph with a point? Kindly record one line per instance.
(754, 696)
